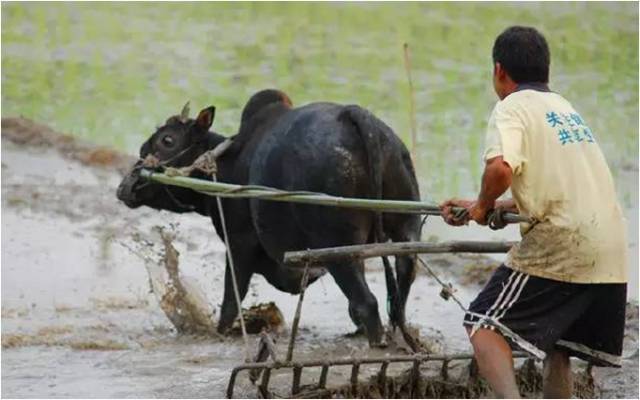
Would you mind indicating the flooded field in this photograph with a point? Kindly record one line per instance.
(79, 318)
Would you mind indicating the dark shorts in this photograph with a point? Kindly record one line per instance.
(586, 320)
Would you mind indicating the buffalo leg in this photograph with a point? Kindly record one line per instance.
(229, 309)
(402, 228)
(405, 274)
(363, 306)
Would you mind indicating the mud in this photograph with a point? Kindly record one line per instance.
(558, 252)
(182, 302)
(264, 316)
(182, 299)
(79, 318)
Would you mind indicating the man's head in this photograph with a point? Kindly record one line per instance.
(520, 55)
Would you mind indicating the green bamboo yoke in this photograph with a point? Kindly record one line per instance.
(230, 190)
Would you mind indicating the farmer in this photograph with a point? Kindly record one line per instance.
(563, 287)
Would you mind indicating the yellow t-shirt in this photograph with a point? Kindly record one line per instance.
(561, 180)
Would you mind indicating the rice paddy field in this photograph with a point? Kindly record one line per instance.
(111, 72)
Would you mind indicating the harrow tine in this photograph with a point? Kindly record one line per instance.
(297, 374)
(355, 369)
(263, 388)
(322, 383)
(265, 350)
(382, 378)
(444, 371)
(415, 375)
(232, 382)
(254, 374)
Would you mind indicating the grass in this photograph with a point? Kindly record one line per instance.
(111, 72)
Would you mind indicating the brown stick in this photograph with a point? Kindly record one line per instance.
(322, 256)
(412, 101)
(296, 318)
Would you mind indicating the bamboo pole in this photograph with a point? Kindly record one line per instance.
(231, 190)
(362, 251)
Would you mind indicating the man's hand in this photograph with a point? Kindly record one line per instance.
(446, 210)
(476, 211)
(496, 179)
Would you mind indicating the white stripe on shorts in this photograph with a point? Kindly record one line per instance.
(513, 300)
(505, 289)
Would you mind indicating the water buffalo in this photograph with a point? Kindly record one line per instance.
(321, 147)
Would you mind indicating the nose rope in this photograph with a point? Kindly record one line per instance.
(206, 163)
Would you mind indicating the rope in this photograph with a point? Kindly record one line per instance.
(497, 218)
(236, 292)
(448, 293)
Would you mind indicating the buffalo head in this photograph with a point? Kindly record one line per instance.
(175, 144)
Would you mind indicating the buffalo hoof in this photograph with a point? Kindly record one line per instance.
(380, 344)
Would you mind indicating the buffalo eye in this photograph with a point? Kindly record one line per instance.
(168, 141)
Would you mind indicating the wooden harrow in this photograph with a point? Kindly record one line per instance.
(320, 388)
(313, 258)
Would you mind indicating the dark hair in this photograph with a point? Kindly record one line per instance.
(523, 52)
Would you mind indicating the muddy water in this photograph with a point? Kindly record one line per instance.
(79, 320)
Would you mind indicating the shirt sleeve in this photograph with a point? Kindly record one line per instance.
(505, 137)
(492, 142)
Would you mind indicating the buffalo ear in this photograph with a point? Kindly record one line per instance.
(205, 118)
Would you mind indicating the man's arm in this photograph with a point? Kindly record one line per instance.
(496, 179)
(508, 205)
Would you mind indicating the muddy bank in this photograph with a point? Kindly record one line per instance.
(25, 132)
(79, 318)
